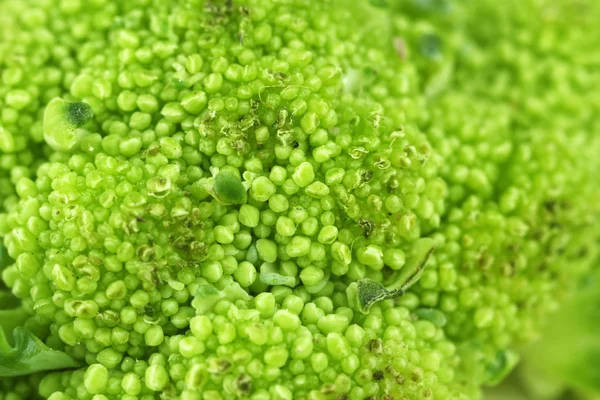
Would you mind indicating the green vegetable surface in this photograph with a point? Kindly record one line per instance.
(292, 199)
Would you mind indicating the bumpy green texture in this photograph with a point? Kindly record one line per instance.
(20, 388)
(300, 199)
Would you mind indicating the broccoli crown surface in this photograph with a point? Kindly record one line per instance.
(294, 199)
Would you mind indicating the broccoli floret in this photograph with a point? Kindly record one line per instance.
(302, 199)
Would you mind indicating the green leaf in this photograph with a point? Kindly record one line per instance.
(366, 292)
(78, 113)
(30, 355)
(61, 120)
(207, 296)
(501, 366)
(228, 189)
(275, 279)
(370, 292)
(232, 291)
(21, 353)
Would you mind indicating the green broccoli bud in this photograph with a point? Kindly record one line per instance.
(220, 199)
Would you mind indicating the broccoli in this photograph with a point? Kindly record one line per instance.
(290, 199)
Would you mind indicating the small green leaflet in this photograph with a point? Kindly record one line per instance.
(275, 279)
(367, 292)
(61, 120)
(23, 353)
(207, 296)
(228, 189)
(501, 366)
(30, 355)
